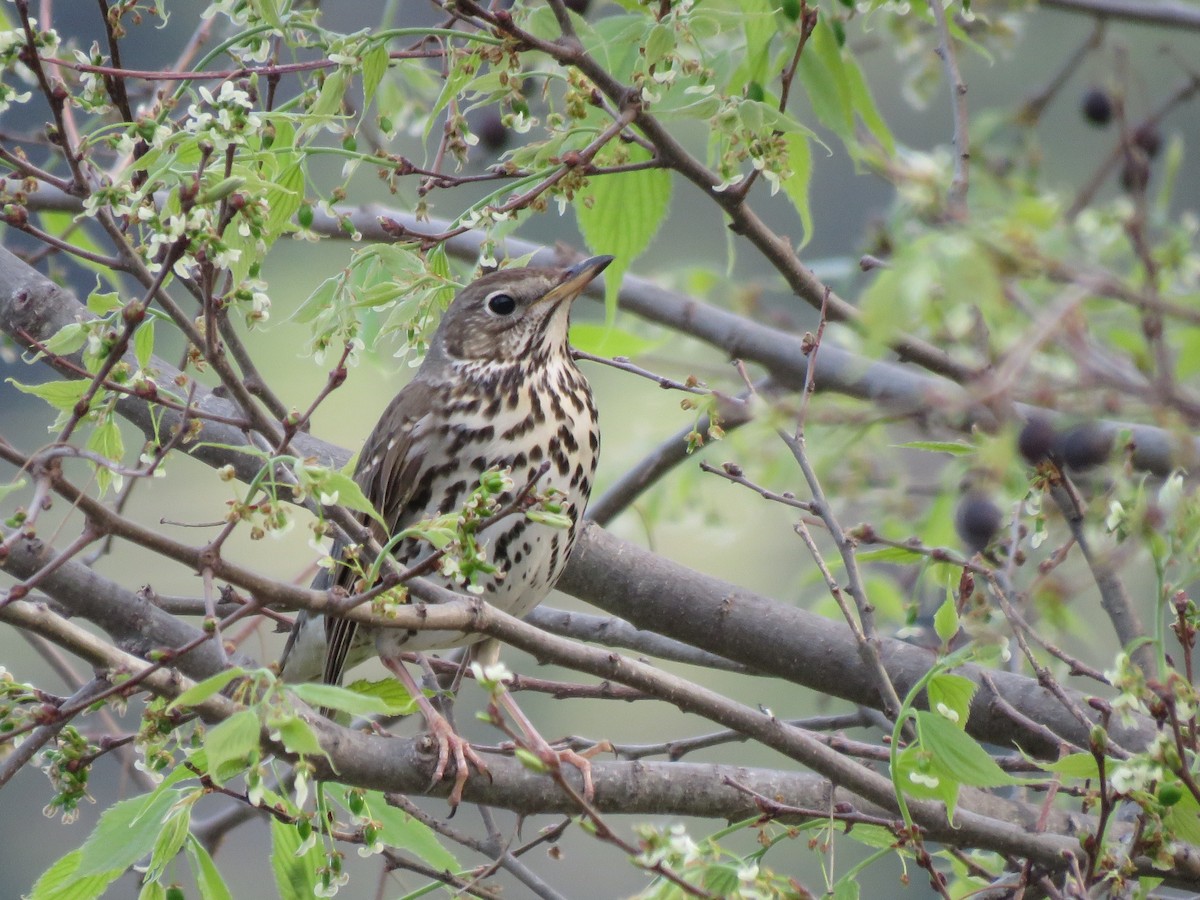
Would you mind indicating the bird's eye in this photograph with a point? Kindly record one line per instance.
(501, 304)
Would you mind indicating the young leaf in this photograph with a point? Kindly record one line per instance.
(349, 494)
(61, 395)
(198, 693)
(959, 755)
(62, 882)
(232, 745)
(954, 692)
(295, 873)
(624, 214)
(126, 832)
(208, 876)
(945, 622)
(390, 691)
(399, 829)
(143, 342)
(332, 697)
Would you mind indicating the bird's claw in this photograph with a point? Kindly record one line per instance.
(450, 743)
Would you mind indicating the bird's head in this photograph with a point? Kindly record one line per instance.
(513, 314)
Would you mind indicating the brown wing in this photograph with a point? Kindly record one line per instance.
(387, 469)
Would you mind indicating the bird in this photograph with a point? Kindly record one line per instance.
(498, 389)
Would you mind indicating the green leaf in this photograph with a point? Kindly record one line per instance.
(1074, 765)
(399, 829)
(298, 736)
(959, 755)
(620, 214)
(143, 343)
(954, 448)
(198, 693)
(1183, 819)
(6, 489)
(106, 440)
(329, 101)
(891, 555)
(62, 395)
(62, 882)
(796, 185)
(349, 494)
(103, 303)
(233, 745)
(390, 691)
(329, 696)
(374, 67)
(172, 836)
(66, 340)
(945, 621)
(208, 877)
(152, 890)
(864, 105)
(824, 78)
(295, 875)
(609, 340)
(953, 692)
(126, 832)
(284, 198)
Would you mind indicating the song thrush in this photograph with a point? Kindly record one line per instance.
(497, 389)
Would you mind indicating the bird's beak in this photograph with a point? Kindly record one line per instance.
(576, 278)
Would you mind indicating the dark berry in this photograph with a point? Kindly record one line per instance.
(492, 133)
(1097, 107)
(1086, 445)
(1149, 139)
(977, 520)
(1036, 440)
(578, 6)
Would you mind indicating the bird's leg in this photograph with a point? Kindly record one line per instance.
(487, 654)
(449, 742)
(542, 748)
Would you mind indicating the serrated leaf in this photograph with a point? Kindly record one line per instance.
(390, 691)
(298, 736)
(284, 198)
(797, 183)
(620, 214)
(1183, 819)
(349, 494)
(106, 440)
(953, 692)
(1073, 765)
(609, 340)
(399, 829)
(824, 78)
(143, 343)
(62, 395)
(171, 837)
(66, 340)
(954, 448)
(62, 882)
(198, 693)
(329, 101)
(295, 876)
(864, 104)
(374, 67)
(208, 876)
(102, 303)
(126, 832)
(890, 555)
(232, 745)
(958, 754)
(152, 890)
(330, 696)
(847, 888)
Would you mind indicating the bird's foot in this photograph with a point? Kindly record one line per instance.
(451, 744)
